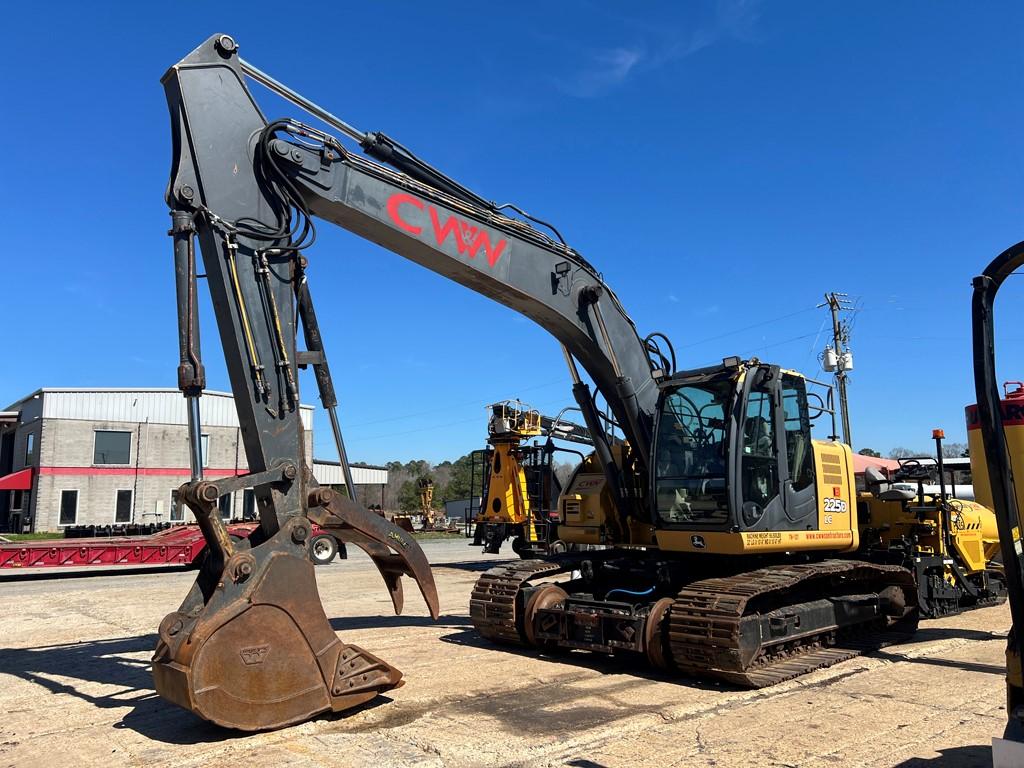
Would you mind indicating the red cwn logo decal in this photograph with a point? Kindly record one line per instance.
(469, 239)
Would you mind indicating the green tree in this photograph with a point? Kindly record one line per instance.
(870, 452)
(462, 483)
(409, 494)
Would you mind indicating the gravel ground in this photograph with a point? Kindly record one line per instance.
(75, 687)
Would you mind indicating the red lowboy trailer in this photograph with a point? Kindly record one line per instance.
(179, 545)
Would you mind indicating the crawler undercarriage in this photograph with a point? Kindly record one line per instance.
(751, 628)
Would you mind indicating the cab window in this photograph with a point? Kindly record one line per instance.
(760, 476)
(690, 463)
(799, 456)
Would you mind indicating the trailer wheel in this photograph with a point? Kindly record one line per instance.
(322, 549)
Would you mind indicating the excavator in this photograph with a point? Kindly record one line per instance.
(730, 538)
(520, 490)
(427, 511)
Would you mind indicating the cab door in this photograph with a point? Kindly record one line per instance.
(759, 492)
(797, 453)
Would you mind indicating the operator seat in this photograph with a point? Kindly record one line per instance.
(878, 484)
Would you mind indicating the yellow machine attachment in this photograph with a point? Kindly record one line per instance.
(507, 510)
(507, 500)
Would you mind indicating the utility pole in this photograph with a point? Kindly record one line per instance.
(838, 359)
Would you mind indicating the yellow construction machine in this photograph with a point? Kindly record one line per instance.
(427, 511)
(950, 544)
(995, 429)
(764, 560)
(731, 539)
(519, 493)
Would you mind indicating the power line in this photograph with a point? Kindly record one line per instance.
(780, 343)
(748, 327)
(464, 404)
(434, 427)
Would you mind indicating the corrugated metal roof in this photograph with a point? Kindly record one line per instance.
(329, 473)
(156, 405)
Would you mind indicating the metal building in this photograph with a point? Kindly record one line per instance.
(117, 456)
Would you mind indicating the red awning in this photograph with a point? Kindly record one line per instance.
(860, 463)
(17, 481)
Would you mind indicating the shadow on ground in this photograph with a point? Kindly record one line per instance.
(966, 666)
(956, 757)
(927, 634)
(120, 668)
(343, 623)
(116, 665)
(472, 565)
(635, 665)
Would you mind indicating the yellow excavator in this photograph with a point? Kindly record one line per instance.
(426, 488)
(731, 539)
(763, 561)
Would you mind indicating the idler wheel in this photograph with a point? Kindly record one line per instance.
(654, 634)
(546, 596)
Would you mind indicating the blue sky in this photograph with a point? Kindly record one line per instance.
(723, 163)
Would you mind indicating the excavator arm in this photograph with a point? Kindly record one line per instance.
(251, 647)
(228, 161)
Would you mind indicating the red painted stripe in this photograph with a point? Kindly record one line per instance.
(131, 471)
(1012, 412)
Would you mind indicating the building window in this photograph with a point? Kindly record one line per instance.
(30, 449)
(68, 507)
(112, 447)
(248, 504)
(177, 510)
(205, 442)
(224, 505)
(123, 507)
(17, 501)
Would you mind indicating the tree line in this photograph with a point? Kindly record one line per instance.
(453, 480)
(949, 451)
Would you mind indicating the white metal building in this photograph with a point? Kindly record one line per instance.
(117, 456)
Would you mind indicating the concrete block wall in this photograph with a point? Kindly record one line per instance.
(157, 466)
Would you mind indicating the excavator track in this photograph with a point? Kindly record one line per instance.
(703, 633)
(492, 605)
(704, 624)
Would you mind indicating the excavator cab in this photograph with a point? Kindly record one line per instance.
(734, 464)
(734, 470)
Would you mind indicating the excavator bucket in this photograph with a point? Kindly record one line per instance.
(251, 647)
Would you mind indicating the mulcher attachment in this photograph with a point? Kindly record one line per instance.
(251, 647)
